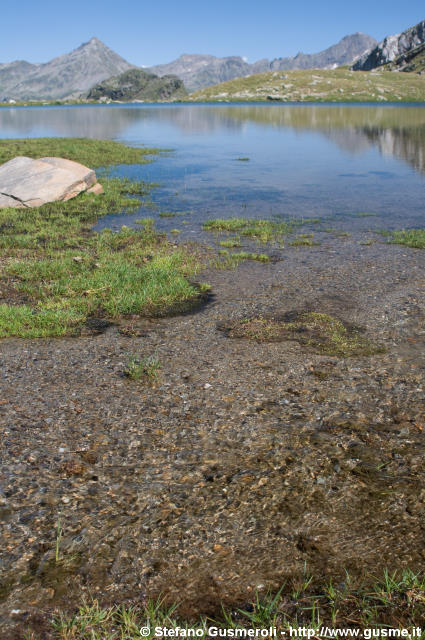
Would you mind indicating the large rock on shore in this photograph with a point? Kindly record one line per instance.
(25, 182)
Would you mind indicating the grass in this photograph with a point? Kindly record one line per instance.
(414, 238)
(93, 153)
(147, 369)
(231, 243)
(320, 332)
(57, 273)
(261, 230)
(303, 240)
(227, 260)
(319, 85)
(244, 159)
(395, 600)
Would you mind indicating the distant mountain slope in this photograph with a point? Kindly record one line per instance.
(393, 49)
(66, 76)
(342, 53)
(200, 71)
(137, 84)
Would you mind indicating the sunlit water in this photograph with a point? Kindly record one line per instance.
(329, 161)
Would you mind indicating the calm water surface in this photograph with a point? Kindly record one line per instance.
(311, 160)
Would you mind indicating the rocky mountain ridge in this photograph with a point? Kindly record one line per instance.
(200, 71)
(72, 75)
(393, 50)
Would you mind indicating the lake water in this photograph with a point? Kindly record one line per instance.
(329, 161)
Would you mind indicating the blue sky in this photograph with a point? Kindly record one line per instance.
(147, 33)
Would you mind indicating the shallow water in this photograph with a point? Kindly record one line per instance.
(329, 161)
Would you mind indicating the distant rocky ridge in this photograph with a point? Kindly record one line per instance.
(342, 53)
(397, 51)
(200, 71)
(137, 84)
(67, 76)
(73, 75)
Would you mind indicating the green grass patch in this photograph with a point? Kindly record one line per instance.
(146, 369)
(261, 230)
(58, 274)
(231, 243)
(320, 332)
(394, 601)
(93, 153)
(243, 159)
(304, 240)
(228, 260)
(414, 238)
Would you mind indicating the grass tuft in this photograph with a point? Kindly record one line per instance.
(261, 230)
(413, 238)
(147, 369)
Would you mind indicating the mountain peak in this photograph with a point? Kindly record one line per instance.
(69, 75)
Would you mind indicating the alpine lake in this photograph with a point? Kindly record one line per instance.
(281, 430)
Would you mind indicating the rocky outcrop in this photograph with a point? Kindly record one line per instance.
(67, 76)
(25, 182)
(392, 48)
(137, 84)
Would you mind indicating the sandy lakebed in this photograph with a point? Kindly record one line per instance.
(244, 463)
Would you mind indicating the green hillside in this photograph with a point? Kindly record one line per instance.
(319, 85)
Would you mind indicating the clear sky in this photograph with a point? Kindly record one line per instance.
(158, 31)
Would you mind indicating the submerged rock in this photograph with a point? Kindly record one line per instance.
(25, 182)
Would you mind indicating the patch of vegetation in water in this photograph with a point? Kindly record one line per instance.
(321, 332)
(395, 600)
(244, 159)
(227, 260)
(261, 230)
(58, 274)
(90, 152)
(146, 369)
(231, 243)
(413, 238)
(304, 240)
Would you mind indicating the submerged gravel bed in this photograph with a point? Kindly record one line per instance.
(242, 464)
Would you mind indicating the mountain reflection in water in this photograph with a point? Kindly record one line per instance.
(304, 159)
(397, 131)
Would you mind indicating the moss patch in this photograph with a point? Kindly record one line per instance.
(320, 332)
